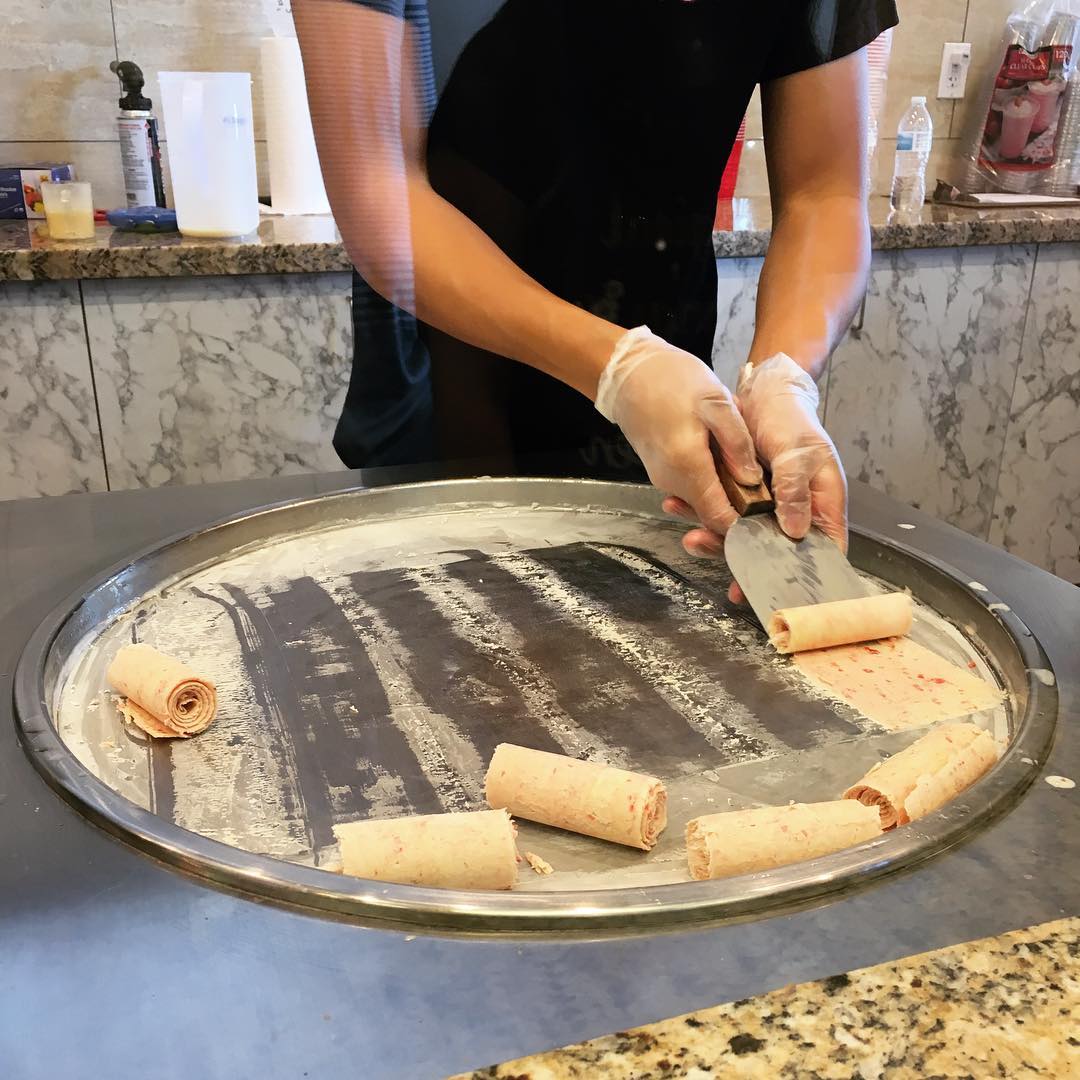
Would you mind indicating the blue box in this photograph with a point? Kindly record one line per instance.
(20, 188)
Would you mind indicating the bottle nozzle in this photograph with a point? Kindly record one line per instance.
(131, 82)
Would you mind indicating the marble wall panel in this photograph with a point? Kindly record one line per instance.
(50, 443)
(919, 399)
(1037, 512)
(208, 379)
(737, 285)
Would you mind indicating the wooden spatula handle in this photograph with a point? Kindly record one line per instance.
(756, 499)
(746, 500)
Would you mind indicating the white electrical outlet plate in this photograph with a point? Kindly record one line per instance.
(955, 61)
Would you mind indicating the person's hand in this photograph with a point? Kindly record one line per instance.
(677, 414)
(779, 402)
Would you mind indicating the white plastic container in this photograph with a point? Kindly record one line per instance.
(914, 138)
(210, 138)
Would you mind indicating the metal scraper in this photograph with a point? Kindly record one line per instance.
(772, 569)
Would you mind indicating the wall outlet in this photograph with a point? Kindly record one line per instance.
(955, 61)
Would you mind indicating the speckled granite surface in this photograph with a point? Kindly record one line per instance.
(1007, 1006)
(312, 245)
(746, 231)
(281, 245)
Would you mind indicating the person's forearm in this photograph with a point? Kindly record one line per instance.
(418, 250)
(412, 246)
(813, 279)
(468, 288)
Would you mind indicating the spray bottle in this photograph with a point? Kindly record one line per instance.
(140, 154)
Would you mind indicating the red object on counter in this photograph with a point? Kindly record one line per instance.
(731, 170)
(728, 180)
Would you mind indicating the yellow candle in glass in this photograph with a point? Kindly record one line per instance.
(69, 209)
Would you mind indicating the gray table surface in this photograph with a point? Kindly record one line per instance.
(112, 965)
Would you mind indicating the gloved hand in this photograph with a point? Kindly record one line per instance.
(778, 400)
(779, 403)
(668, 405)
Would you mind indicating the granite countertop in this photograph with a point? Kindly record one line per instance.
(281, 245)
(289, 245)
(745, 231)
(1006, 1006)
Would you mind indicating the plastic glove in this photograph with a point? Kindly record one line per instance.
(673, 411)
(779, 402)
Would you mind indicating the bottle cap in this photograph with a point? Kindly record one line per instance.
(918, 101)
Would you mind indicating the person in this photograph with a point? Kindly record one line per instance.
(530, 220)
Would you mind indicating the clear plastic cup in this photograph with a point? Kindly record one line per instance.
(69, 209)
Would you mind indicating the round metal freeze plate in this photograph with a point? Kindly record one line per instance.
(372, 646)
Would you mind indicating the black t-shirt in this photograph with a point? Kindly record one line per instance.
(587, 138)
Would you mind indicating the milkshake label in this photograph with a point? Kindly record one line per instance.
(1021, 128)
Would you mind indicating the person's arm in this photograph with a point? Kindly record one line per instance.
(813, 278)
(364, 75)
(819, 255)
(364, 80)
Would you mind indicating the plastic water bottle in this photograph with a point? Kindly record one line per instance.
(913, 139)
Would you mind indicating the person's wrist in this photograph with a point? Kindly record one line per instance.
(593, 349)
(806, 358)
(626, 355)
(772, 373)
(568, 343)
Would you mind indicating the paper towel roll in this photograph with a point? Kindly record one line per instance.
(296, 184)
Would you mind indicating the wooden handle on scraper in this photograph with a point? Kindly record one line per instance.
(746, 500)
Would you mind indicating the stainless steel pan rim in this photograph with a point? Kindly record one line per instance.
(627, 909)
